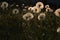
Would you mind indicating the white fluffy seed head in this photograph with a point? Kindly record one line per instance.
(40, 5)
(58, 29)
(41, 16)
(49, 10)
(28, 16)
(4, 5)
(15, 11)
(36, 9)
(57, 12)
(30, 8)
(47, 6)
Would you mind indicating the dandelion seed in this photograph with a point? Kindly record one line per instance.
(4, 5)
(15, 11)
(57, 12)
(49, 10)
(58, 30)
(47, 6)
(30, 8)
(41, 16)
(40, 5)
(36, 10)
(28, 16)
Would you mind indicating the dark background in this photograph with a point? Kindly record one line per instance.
(54, 4)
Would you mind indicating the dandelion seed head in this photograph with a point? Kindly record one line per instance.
(47, 6)
(36, 10)
(41, 16)
(30, 8)
(40, 5)
(58, 29)
(57, 12)
(28, 16)
(4, 5)
(15, 11)
(49, 10)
